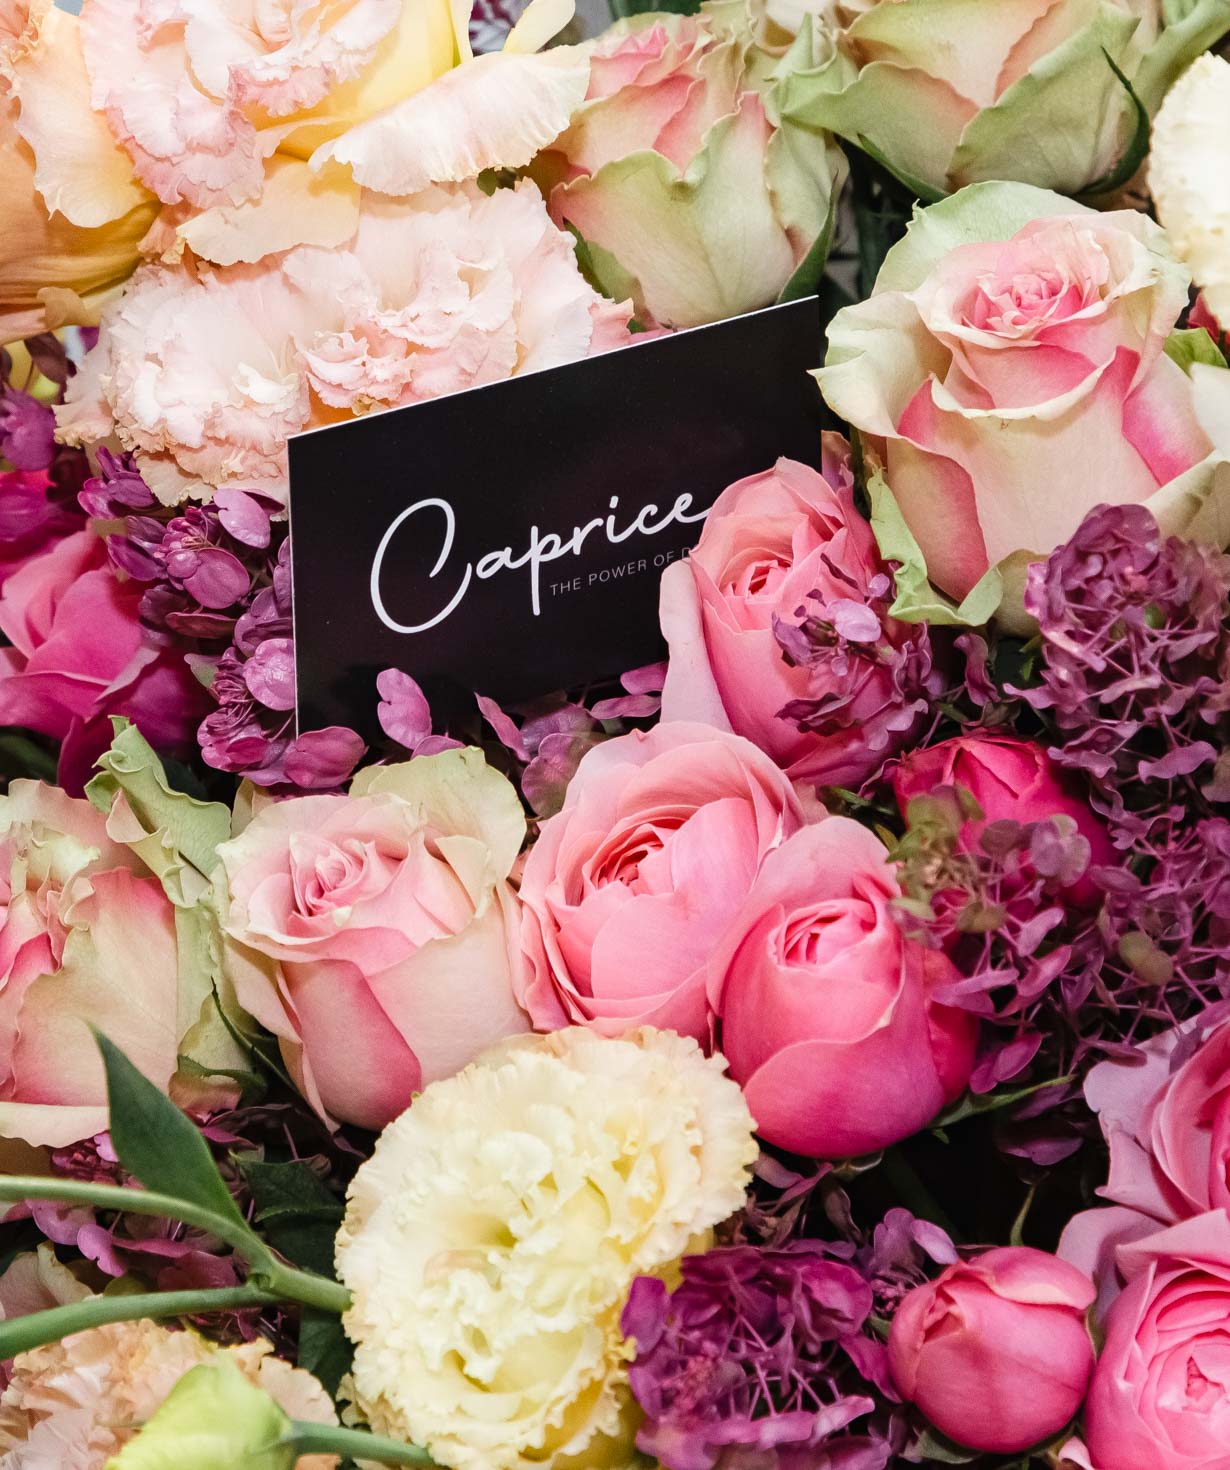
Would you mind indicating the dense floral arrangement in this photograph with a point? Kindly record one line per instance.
(812, 1053)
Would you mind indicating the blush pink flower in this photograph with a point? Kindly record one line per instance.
(259, 121)
(1009, 369)
(1160, 1395)
(821, 997)
(204, 373)
(772, 545)
(630, 886)
(375, 934)
(995, 1351)
(77, 656)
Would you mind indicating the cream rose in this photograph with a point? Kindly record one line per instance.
(491, 1240)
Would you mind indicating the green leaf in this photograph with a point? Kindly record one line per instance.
(810, 270)
(22, 757)
(973, 1105)
(324, 1348)
(298, 1211)
(1193, 345)
(1137, 150)
(917, 600)
(931, 1445)
(157, 1143)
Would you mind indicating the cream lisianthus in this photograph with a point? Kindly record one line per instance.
(1189, 176)
(258, 122)
(490, 1241)
(75, 1404)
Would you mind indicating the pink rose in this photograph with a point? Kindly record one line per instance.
(78, 656)
(1168, 1130)
(822, 998)
(1011, 780)
(1009, 369)
(995, 1351)
(87, 937)
(630, 886)
(375, 934)
(771, 545)
(1160, 1396)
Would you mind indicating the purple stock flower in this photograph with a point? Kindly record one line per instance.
(757, 1359)
(1135, 666)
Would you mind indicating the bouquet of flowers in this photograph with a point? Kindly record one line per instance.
(811, 1053)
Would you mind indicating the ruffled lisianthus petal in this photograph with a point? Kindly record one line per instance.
(491, 1240)
(1189, 178)
(204, 373)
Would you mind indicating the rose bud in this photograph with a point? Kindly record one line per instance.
(995, 1351)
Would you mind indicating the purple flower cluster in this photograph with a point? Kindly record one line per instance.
(759, 1358)
(252, 732)
(1135, 667)
(874, 675)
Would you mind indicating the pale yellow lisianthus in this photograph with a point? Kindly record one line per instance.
(258, 122)
(1189, 176)
(72, 213)
(490, 1242)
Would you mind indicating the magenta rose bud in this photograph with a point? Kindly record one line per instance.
(822, 997)
(995, 1351)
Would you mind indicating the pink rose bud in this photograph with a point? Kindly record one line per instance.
(995, 1351)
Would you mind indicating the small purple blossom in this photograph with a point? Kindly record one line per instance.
(758, 1355)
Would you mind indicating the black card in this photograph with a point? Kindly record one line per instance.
(510, 540)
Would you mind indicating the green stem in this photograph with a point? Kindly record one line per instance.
(907, 1181)
(269, 1275)
(20, 1334)
(358, 1444)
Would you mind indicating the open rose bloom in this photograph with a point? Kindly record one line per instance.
(1010, 369)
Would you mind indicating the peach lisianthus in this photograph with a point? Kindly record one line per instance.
(72, 213)
(203, 373)
(260, 121)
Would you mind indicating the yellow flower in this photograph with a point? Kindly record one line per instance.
(490, 1241)
(72, 214)
(76, 1403)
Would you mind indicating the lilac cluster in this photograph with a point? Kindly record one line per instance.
(252, 732)
(875, 676)
(761, 1357)
(1135, 668)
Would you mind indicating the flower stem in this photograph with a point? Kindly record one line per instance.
(273, 1278)
(358, 1444)
(20, 1334)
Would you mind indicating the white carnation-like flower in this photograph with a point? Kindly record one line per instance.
(490, 1241)
(1189, 176)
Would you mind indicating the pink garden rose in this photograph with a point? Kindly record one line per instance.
(203, 374)
(771, 543)
(629, 888)
(87, 938)
(375, 934)
(78, 656)
(826, 1011)
(1009, 369)
(702, 202)
(995, 1351)
(1160, 1395)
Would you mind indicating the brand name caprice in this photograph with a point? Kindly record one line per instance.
(542, 549)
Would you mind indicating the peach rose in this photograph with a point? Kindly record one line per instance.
(259, 121)
(375, 934)
(770, 544)
(1009, 369)
(87, 938)
(822, 998)
(72, 214)
(204, 373)
(630, 886)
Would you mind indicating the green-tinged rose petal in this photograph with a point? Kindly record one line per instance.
(702, 246)
(806, 172)
(1193, 346)
(213, 1419)
(1192, 26)
(1065, 123)
(917, 600)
